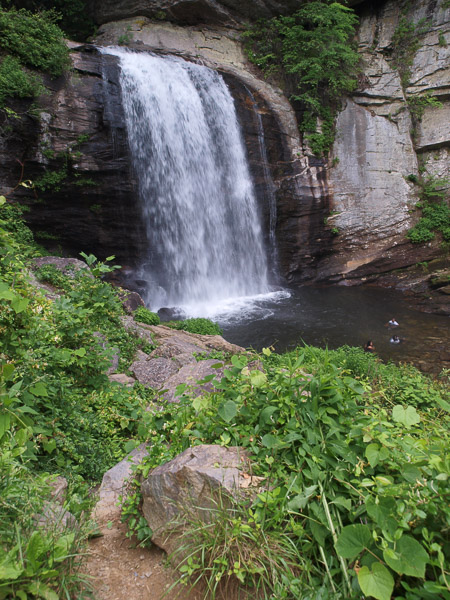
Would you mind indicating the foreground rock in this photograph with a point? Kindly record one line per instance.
(173, 362)
(113, 485)
(198, 478)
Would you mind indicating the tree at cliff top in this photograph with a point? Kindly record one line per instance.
(73, 15)
(314, 49)
(29, 44)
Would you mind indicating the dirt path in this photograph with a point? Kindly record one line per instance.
(121, 572)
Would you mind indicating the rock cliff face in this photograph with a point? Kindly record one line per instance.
(343, 219)
(381, 141)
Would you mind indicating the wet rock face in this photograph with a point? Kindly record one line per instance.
(229, 13)
(76, 155)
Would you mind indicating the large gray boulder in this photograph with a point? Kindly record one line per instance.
(114, 485)
(195, 479)
(153, 373)
(191, 374)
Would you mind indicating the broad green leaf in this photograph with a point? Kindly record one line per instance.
(319, 532)
(49, 446)
(19, 304)
(352, 540)
(406, 416)
(238, 361)
(301, 500)
(266, 351)
(257, 378)
(2, 200)
(270, 441)
(344, 502)
(443, 404)
(411, 557)
(228, 410)
(5, 421)
(372, 454)
(200, 403)
(411, 473)
(377, 582)
(9, 571)
(80, 352)
(129, 446)
(35, 548)
(63, 546)
(39, 389)
(381, 511)
(6, 371)
(265, 415)
(41, 590)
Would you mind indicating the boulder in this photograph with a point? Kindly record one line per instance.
(130, 300)
(122, 379)
(190, 374)
(67, 266)
(141, 330)
(228, 13)
(113, 484)
(153, 373)
(194, 479)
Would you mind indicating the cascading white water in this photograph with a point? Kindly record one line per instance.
(197, 195)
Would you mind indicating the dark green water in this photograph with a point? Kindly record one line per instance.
(335, 316)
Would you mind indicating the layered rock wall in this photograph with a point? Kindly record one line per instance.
(381, 142)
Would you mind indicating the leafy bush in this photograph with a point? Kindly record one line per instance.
(355, 471)
(73, 15)
(34, 39)
(435, 212)
(29, 41)
(15, 81)
(199, 325)
(314, 49)
(143, 315)
(50, 274)
(37, 562)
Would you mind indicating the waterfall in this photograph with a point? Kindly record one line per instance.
(198, 201)
(269, 187)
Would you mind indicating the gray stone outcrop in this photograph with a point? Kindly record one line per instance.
(200, 477)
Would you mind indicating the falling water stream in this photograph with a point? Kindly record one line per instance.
(203, 225)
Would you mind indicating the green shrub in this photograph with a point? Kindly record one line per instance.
(435, 215)
(50, 274)
(37, 562)
(16, 82)
(405, 43)
(314, 50)
(143, 315)
(35, 39)
(199, 325)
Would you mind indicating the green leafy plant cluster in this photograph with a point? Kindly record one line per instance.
(73, 15)
(418, 104)
(198, 325)
(314, 51)
(353, 467)
(435, 212)
(36, 562)
(29, 44)
(146, 316)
